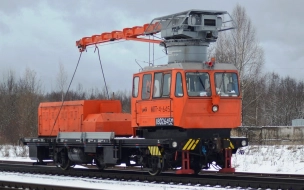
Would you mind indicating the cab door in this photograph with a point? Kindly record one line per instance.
(155, 106)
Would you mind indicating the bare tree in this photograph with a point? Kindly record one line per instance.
(271, 100)
(125, 99)
(240, 47)
(19, 99)
(8, 104)
(29, 95)
(299, 96)
(61, 79)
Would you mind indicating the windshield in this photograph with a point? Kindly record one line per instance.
(198, 84)
(226, 84)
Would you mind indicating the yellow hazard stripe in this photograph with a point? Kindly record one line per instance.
(189, 147)
(154, 150)
(231, 145)
(193, 147)
(186, 145)
(191, 144)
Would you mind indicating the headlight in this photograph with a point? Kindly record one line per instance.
(243, 143)
(214, 108)
(174, 144)
(75, 150)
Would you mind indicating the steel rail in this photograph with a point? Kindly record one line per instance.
(236, 180)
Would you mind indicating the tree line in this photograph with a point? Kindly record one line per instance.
(21, 96)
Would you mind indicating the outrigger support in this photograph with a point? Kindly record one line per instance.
(227, 168)
(185, 164)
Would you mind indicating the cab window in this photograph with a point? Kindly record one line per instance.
(179, 85)
(162, 84)
(226, 84)
(198, 84)
(166, 85)
(158, 77)
(146, 87)
(135, 86)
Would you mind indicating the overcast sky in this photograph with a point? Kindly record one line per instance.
(41, 34)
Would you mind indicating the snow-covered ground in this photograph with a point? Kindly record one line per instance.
(270, 159)
(262, 159)
(94, 183)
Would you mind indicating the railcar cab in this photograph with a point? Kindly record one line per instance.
(182, 98)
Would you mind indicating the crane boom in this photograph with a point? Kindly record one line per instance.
(185, 35)
(126, 34)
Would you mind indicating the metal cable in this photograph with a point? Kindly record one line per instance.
(104, 79)
(149, 52)
(66, 93)
(153, 52)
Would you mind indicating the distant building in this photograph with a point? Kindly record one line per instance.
(297, 122)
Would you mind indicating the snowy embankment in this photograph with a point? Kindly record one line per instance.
(270, 159)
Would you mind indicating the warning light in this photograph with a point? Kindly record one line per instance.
(213, 59)
(209, 63)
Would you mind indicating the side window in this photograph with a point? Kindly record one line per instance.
(179, 85)
(135, 87)
(226, 84)
(146, 87)
(198, 84)
(166, 85)
(157, 85)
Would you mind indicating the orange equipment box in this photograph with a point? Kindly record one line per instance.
(83, 116)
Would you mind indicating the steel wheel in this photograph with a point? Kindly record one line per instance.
(196, 164)
(63, 162)
(197, 168)
(100, 166)
(99, 161)
(155, 171)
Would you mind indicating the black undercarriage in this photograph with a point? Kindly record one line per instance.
(177, 132)
(155, 150)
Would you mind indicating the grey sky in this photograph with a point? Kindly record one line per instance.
(41, 34)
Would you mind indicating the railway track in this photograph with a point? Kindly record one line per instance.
(209, 179)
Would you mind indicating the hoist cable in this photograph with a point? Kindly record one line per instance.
(149, 52)
(153, 52)
(104, 79)
(66, 93)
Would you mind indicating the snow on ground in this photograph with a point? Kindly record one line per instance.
(94, 183)
(261, 159)
(270, 159)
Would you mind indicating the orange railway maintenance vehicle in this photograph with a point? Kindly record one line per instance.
(181, 112)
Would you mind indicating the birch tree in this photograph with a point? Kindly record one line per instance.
(241, 47)
(61, 79)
